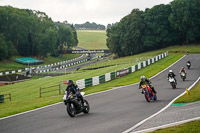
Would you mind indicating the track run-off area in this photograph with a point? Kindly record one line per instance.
(112, 111)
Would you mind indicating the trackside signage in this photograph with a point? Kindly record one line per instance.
(122, 72)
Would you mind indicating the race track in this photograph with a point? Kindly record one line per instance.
(111, 112)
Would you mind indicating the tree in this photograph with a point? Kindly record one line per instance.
(33, 33)
(185, 18)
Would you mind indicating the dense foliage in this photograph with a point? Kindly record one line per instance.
(90, 26)
(32, 33)
(177, 23)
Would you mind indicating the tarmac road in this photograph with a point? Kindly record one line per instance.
(111, 112)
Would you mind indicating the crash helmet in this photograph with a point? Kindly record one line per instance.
(70, 82)
(170, 71)
(143, 78)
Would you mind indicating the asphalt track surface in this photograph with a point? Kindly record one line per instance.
(111, 112)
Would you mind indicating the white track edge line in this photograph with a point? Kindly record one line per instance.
(88, 94)
(143, 121)
(168, 125)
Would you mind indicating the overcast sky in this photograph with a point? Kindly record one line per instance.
(80, 11)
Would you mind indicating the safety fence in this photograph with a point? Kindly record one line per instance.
(48, 68)
(84, 83)
(50, 89)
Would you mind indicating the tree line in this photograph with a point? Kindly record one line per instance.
(177, 23)
(90, 26)
(32, 33)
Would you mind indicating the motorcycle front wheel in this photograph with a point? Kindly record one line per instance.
(147, 97)
(86, 107)
(71, 109)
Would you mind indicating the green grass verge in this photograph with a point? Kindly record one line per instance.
(192, 97)
(191, 127)
(9, 65)
(92, 39)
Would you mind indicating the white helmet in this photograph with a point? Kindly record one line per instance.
(170, 71)
(143, 78)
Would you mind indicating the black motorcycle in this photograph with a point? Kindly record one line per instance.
(188, 65)
(74, 106)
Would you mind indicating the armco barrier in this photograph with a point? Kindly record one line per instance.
(84, 83)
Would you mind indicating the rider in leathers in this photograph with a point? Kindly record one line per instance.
(171, 74)
(183, 70)
(143, 81)
(75, 91)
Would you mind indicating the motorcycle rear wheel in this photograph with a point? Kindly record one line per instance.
(155, 98)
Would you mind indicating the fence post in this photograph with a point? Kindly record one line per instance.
(40, 91)
(10, 96)
(59, 88)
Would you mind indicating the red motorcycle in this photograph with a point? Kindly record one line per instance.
(148, 93)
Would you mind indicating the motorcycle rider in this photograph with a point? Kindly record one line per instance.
(171, 74)
(188, 61)
(183, 70)
(144, 81)
(72, 88)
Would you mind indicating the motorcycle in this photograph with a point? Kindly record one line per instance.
(188, 65)
(148, 93)
(74, 106)
(172, 82)
(183, 76)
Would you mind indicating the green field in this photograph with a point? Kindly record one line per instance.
(92, 39)
(191, 127)
(192, 97)
(9, 65)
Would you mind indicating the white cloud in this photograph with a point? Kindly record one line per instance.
(80, 11)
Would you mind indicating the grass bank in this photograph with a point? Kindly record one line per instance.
(192, 97)
(92, 39)
(191, 127)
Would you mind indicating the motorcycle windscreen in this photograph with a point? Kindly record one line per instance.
(82, 93)
(64, 97)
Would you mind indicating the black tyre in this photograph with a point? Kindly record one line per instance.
(155, 98)
(71, 109)
(174, 86)
(86, 107)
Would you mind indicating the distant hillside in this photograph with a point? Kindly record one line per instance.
(89, 26)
